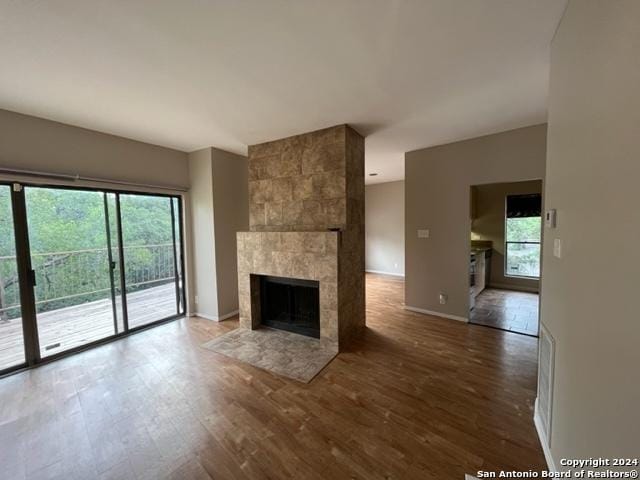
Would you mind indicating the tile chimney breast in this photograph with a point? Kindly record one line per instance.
(306, 201)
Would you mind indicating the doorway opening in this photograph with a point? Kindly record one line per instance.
(504, 262)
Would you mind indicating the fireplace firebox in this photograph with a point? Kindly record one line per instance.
(290, 304)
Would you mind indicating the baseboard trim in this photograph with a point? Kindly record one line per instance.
(205, 316)
(551, 465)
(380, 272)
(516, 288)
(228, 315)
(436, 314)
(215, 318)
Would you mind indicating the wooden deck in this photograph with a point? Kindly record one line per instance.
(82, 324)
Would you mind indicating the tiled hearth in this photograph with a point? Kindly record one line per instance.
(283, 353)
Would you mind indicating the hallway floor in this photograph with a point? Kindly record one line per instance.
(507, 310)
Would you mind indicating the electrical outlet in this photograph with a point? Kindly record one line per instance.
(423, 233)
(196, 299)
(443, 298)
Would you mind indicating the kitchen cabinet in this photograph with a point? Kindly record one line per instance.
(482, 270)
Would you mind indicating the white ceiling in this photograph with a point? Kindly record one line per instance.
(229, 73)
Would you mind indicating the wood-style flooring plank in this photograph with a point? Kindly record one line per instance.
(417, 397)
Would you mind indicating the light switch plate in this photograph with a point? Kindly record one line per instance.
(557, 247)
(423, 233)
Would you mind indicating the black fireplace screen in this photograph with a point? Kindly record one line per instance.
(290, 304)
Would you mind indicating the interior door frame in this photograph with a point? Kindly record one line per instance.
(26, 279)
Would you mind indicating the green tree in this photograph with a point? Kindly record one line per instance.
(523, 259)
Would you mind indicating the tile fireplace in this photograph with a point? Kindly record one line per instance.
(306, 226)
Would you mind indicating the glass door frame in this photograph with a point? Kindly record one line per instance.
(26, 277)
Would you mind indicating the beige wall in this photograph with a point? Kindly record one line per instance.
(219, 209)
(30, 143)
(437, 189)
(488, 223)
(589, 295)
(384, 227)
(231, 215)
(203, 260)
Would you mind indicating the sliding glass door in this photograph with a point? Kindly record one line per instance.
(11, 331)
(150, 261)
(70, 259)
(90, 265)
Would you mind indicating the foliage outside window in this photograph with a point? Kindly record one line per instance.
(68, 245)
(523, 234)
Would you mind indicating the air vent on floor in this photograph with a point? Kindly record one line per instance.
(546, 354)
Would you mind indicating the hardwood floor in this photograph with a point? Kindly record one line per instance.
(418, 397)
(508, 310)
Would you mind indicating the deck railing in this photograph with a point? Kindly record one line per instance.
(73, 277)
